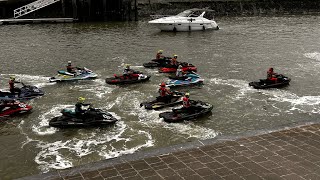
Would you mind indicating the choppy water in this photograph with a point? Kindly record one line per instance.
(240, 52)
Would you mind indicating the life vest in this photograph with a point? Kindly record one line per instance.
(11, 84)
(69, 68)
(174, 61)
(270, 74)
(179, 73)
(163, 91)
(158, 56)
(185, 102)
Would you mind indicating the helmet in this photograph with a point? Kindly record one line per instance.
(271, 69)
(81, 99)
(160, 51)
(179, 67)
(163, 84)
(12, 78)
(187, 94)
(175, 55)
(127, 65)
(69, 62)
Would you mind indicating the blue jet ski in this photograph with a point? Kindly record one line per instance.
(187, 80)
(27, 92)
(80, 74)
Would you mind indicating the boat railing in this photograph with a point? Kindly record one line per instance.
(159, 16)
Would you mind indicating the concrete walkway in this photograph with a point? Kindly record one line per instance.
(287, 154)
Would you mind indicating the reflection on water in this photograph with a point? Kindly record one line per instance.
(240, 52)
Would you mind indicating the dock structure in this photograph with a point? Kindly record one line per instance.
(55, 11)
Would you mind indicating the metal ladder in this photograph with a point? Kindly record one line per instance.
(21, 11)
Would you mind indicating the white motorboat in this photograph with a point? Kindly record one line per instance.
(188, 20)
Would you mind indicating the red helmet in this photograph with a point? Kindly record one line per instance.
(163, 84)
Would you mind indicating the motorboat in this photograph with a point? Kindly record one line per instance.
(188, 20)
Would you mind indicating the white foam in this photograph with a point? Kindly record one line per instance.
(314, 55)
(99, 88)
(242, 85)
(43, 128)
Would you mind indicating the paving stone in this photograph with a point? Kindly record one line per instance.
(292, 177)
(166, 172)
(159, 165)
(193, 177)
(269, 164)
(252, 177)
(196, 165)
(90, 174)
(223, 171)
(233, 177)
(123, 166)
(174, 177)
(223, 159)
(129, 174)
(170, 159)
(232, 165)
(242, 171)
(140, 166)
(205, 159)
(115, 178)
(213, 177)
(147, 173)
(152, 160)
(281, 171)
(258, 158)
(109, 173)
(214, 153)
(214, 165)
(185, 172)
(74, 178)
(241, 159)
(197, 153)
(254, 167)
(283, 153)
(204, 172)
(248, 153)
(271, 176)
(156, 177)
(136, 177)
(178, 165)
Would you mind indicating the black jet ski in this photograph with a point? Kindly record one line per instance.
(27, 92)
(199, 108)
(158, 62)
(174, 99)
(265, 83)
(136, 77)
(92, 117)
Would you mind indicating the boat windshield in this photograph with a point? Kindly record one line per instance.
(185, 13)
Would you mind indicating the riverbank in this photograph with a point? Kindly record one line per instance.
(93, 11)
(290, 152)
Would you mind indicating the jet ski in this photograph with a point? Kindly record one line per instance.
(186, 67)
(158, 62)
(158, 103)
(80, 74)
(265, 83)
(190, 79)
(92, 117)
(136, 77)
(27, 92)
(12, 107)
(198, 108)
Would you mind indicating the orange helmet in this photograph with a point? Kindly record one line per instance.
(163, 84)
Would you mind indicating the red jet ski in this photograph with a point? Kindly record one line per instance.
(9, 108)
(186, 67)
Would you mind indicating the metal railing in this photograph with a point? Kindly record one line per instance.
(32, 7)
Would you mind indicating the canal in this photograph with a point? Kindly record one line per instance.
(228, 59)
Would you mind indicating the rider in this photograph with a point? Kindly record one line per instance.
(271, 75)
(174, 61)
(165, 93)
(78, 107)
(186, 101)
(70, 68)
(159, 55)
(179, 72)
(11, 85)
(127, 72)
